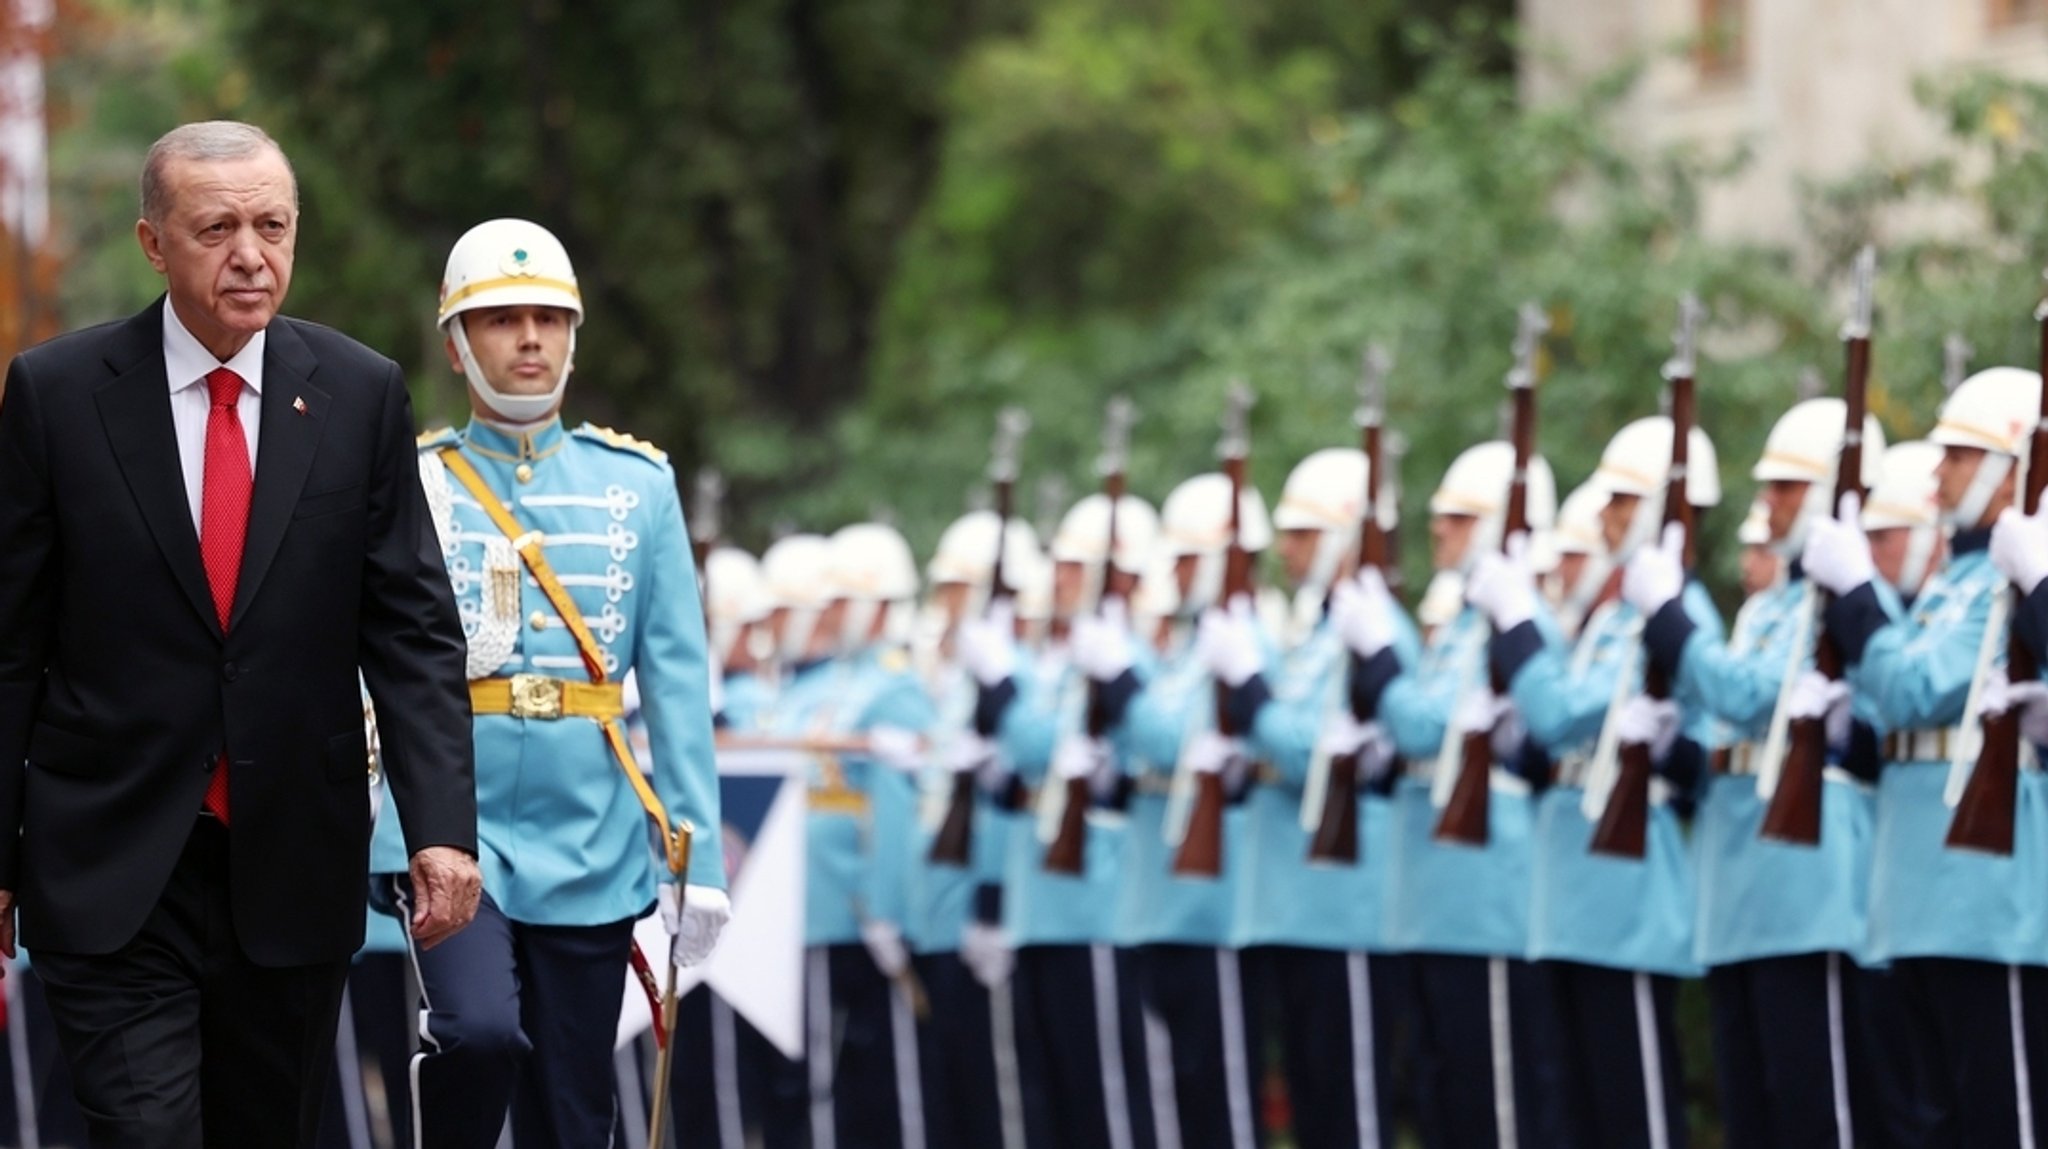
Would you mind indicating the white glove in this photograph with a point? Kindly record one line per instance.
(1656, 574)
(1814, 695)
(1342, 734)
(1837, 555)
(1227, 642)
(1487, 712)
(1208, 752)
(988, 645)
(988, 953)
(2019, 547)
(885, 945)
(1363, 613)
(693, 932)
(897, 748)
(2031, 697)
(1079, 757)
(1503, 586)
(968, 752)
(1647, 721)
(1102, 645)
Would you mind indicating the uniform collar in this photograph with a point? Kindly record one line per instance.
(1969, 542)
(187, 362)
(525, 445)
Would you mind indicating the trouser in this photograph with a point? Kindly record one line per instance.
(967, 1059)
(178, 1040)
(718, 1085)
(847, 1085)
(1981, 1028)
(1197, 1047)
(1333, 1026)
(1888, 1071)
(1624, 1084)
(372, 1053)
(519, 1016)
(1488, 1054)
(38, 1085)
(1781, 1050)
(1080, 1049)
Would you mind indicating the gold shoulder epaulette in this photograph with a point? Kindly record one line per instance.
(895, 660)
(620, 441)
(437, 437)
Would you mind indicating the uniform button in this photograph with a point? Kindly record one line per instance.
(539, 621)
(523, 472)
(230, 671)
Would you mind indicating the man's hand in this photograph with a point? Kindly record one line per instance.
(1363, 613)
(6, 925)
(445, 888)
(1837, 555)
(1655, 575)
(1503, 586)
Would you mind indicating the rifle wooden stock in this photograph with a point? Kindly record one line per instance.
(1984, 814)
(1793, 816)
(1335, 841)
(1068, 851)
(1201, 847)
(1336, 838)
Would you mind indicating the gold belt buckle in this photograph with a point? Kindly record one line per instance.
(536, 696)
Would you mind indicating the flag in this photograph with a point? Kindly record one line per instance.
(24, 133)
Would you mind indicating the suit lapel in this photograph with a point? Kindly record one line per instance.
(294, 414)
(135, 408)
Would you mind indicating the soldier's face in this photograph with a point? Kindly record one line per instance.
(1569, 568)
(1760, 568)
(1298, 552)
(1616, 517)
(1783, 499)
(1888, 551)
(520, 349)
(1069, 583)
(1957, 470)
(224, 246)
(951, 599)
(1449, 537)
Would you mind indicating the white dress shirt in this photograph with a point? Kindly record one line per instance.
(187, 362)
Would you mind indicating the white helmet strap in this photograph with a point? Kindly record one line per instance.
(1919, 554)
(1969, 513)
(519, 410)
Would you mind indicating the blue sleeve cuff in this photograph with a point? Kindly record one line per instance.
(1666, 634)
(1684, 766)
(1370, 678)
(1864, 756)
(988, 903)
(1853, 618)
(989, 704)
(2032, 621)
(1512, 649)
(1533, 766)
(1241, 704)
(1114, 697)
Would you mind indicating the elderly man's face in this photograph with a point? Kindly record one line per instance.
(224, 246)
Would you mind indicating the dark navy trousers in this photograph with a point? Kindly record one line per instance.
(957, 1053)
(1198, 1049)
(1983, 1031)
(1781, 1038)
(1334, 1026)
(1471, 1012)
(1080, 1048)
(523, 1018)
(1622, 1072)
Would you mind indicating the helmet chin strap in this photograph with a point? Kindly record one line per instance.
(1816, 502)
(519, 410)
(1208, 585)
(1919, 553)
(1969, 512)
(796, 634)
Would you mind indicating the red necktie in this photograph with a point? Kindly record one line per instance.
(223, 521)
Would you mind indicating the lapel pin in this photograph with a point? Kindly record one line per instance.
(299, 404)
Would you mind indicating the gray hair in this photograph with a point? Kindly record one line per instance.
(208, 141)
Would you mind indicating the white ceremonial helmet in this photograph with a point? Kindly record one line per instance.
(1637, 462)
(794, 569)
(1157, 595)
(738, 594)
(508, 263)
(1994, 411)
(1477, 485)
(967, 554)
(1578, 533)
(1905, 499)
(870, 566)
(1083, 537)
(1195, 520)
(1803, 447)
(1325, 492)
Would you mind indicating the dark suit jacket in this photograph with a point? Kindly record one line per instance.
(118, 688)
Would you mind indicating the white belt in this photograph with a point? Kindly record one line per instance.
(1741, 758)
(1938, 744)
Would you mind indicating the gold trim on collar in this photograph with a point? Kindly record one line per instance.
(528, 452)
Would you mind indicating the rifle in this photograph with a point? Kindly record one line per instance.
(1201, 845)
(1335, 839)
(1793, 815)
(953, 843)
(1466, 813)
(1396, 448)
(1067, 853)
(1624, 822)
(706, 495)
(1984, 814)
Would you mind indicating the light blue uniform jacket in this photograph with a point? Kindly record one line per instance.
(940, 900)
(1620, 913)
(1927, 900)
(1284, 899)
(1445, 898)
(564, 841)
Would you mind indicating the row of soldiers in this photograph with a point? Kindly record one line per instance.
(1873, 988)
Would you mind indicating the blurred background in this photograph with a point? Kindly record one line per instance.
(823, 241)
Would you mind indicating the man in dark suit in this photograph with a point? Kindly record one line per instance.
(210, 519)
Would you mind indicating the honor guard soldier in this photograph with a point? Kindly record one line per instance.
(1581, 573)
(1461, 912)
(571, 565)
(1614, 934)
(1306, 927)
(1762, 567)
(851, 691)
(1966, 932)
(737, 611)
(1197, 1047)
(1902, 518)
(1778, 924)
